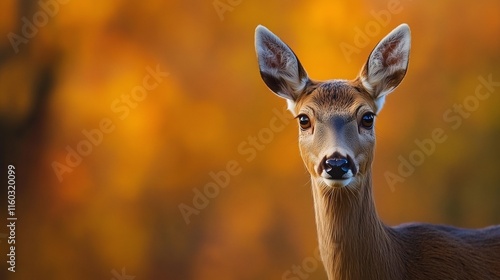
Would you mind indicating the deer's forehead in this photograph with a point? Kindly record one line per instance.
(336, 97)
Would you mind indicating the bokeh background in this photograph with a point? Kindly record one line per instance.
(117, 213)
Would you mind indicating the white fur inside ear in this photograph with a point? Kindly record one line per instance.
(366, 84)
(380, 99)
(291, 106)
(379, 102)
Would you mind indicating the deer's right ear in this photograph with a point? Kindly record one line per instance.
(279, 66)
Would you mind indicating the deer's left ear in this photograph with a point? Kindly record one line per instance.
(387, 64)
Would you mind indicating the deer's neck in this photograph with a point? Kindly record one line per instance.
(354, 243)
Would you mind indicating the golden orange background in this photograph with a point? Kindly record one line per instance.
(119, 209)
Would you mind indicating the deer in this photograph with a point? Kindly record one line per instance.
(336, 120)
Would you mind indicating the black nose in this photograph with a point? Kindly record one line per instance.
(337, 167)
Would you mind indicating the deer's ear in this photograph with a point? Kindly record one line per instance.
(279, 66)
(387, 64)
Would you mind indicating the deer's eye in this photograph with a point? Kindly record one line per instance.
(367, 120)
(304, 122)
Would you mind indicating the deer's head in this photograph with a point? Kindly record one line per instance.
(336, 117)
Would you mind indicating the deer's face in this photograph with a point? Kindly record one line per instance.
(336, 133)
(336, 117)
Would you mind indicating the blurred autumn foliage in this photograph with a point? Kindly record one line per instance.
(146, 144)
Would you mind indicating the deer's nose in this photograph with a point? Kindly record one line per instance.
(337, 167)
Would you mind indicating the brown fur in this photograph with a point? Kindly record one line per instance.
(354, 243)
